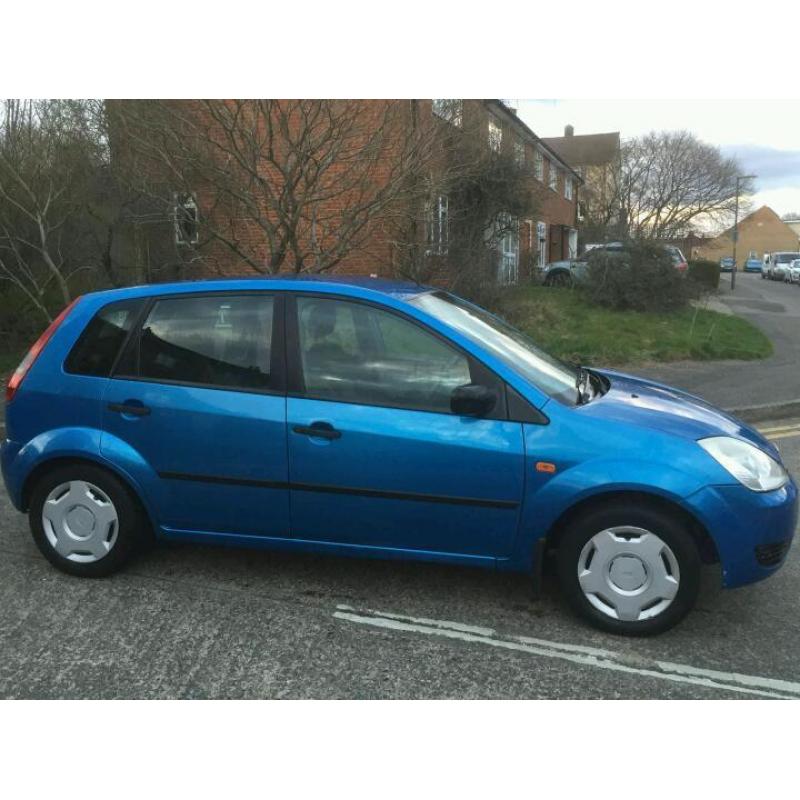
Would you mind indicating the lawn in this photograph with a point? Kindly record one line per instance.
(565, 324)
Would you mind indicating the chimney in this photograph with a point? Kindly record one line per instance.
(569, 130)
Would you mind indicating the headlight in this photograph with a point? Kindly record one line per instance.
(749, 465)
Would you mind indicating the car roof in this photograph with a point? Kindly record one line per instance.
(282, 282)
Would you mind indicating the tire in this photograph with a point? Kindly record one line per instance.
(98, 532)
(560, 280)
(633, 556)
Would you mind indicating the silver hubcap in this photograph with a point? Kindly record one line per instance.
(628, 573)
(80, 521)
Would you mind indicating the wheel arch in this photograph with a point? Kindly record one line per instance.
(56, 462)
(705, 543)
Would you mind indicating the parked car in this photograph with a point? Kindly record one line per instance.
(779, 265)
(564, 273)
(753, 265)
(369, 418)
(726, 264)
(794, 271)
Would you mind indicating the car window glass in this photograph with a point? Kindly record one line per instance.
(222, 340)
(96, 350)
(354, 353)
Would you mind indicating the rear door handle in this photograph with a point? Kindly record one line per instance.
(321, 430)
(128, 408)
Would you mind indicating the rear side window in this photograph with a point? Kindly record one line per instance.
(96, 350)
(223, 341)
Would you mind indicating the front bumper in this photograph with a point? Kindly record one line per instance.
(745, 525)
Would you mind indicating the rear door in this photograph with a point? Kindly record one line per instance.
(198, 394)
(376, 457)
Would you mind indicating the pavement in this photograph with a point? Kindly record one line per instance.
(194, 622)
(773, 307)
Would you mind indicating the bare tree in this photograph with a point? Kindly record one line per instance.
(670, 181)
(50, 152)
(283, 184)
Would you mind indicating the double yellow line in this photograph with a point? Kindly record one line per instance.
(781, 431)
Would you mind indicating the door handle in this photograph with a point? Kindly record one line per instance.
(321, 430)
(129, 408)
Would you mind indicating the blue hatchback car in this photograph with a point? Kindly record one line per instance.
(368, 418)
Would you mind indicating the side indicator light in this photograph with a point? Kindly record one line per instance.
(545, 466)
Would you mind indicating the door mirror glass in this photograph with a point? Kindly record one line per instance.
(472, 400)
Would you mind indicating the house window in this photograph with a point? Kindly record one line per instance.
(553, 177)
(541, 235)
(568, 187)
(451, 111)
(519, 153)
(438, 226)
(495, 136)
(539, 166)
(186, 219)
(508, 232)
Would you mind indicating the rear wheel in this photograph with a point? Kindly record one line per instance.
(85, 521)
(559, 280)
(629, 569)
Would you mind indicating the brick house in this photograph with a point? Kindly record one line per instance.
(597, 159)
(761, 232)
(550, 234)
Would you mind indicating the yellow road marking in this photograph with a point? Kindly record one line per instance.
(780, 428)
(783, 435)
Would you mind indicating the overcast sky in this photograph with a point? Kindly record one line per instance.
(763, 134)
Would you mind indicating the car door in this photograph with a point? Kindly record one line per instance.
(199, 396)
(376, 458)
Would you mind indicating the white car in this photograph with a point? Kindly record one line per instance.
(779, 270)
(794, 271)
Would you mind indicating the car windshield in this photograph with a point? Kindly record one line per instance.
(785, 258)
(513, 348)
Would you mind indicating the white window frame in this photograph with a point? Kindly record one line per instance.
(495, 136)
(568, 186)
(539, 165)
(519, 152)
(438, 226)
(451, 111)
(552, 178)
(541, 240)
(508, 271)
(186, 202)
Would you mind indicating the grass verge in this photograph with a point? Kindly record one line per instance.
(566, 325)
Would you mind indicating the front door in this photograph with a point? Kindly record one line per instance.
(376, 458)
(198, 396)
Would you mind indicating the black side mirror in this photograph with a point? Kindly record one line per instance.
(472, 400)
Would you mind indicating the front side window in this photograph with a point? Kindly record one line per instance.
(512, 347)
(96, 350)
(495, 136)
(355, 353)
(451, 111)
(222, 341)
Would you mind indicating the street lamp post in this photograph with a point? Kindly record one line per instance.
(739, 179)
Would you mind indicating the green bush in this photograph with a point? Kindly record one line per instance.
(642, 277)
(705, 273)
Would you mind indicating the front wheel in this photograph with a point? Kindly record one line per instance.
(85, 521)
(629, 569)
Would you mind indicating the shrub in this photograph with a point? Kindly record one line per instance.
(705, 273)
(642, 277)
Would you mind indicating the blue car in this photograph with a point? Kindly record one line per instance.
(370, 418)
(753, 265)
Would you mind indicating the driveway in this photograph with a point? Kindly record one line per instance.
(198, 622)
(775, 308)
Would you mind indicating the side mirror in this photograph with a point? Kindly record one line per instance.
(472, 400)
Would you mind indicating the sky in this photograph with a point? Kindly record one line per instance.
(763, 134)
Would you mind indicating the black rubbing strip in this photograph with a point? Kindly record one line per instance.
(313, 487)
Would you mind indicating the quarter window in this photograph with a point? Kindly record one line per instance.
(355, 353)
(221, 340)
(96, 350)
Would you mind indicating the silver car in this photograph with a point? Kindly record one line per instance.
(794, 271)
(779, 265)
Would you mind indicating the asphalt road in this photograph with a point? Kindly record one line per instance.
(185, 622)
(775, 308)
